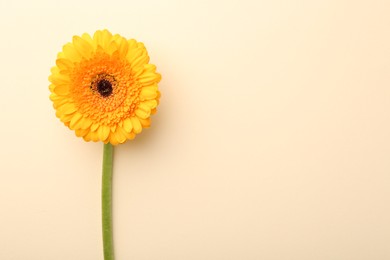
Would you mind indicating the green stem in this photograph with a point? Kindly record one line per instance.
(107, 202)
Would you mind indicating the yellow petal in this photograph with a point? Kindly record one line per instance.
(140, 60)
(89, 39)
(54, 70)
(94, 126)
(91, 136)
(61, 55)
(142, 114)
(112, 47)
(103, 132)
(71, 53)
(150, 68)
(85, 123)
(149, 92)
(144, 107)
(123, 46)
(102, 38)
(81, 132)
(64, 64)
(75, 119)
(113, 139)
(61, 90)
(51, 87)
(107, 37)
(53, 97)
(127, 125)
(117, 137)
(145, 122)
(120, 135)
(142, 111)
(130, 136)
(65, 118)
(82, 47)
(58, 79)
(87, 137)
(150, 103)
(146, 69)
(79, 123)
(149, 78)
(58, 100)
(98, 38)
(134, 54)
(137, 127)
(94, 136)
(132, 43)
(67, 108)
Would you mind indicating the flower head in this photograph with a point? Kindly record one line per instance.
(104, 88)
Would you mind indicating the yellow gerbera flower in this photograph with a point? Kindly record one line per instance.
(104, 88)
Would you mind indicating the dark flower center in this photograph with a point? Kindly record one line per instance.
(104, 87)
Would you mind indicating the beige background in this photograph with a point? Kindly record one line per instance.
(271, 142)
